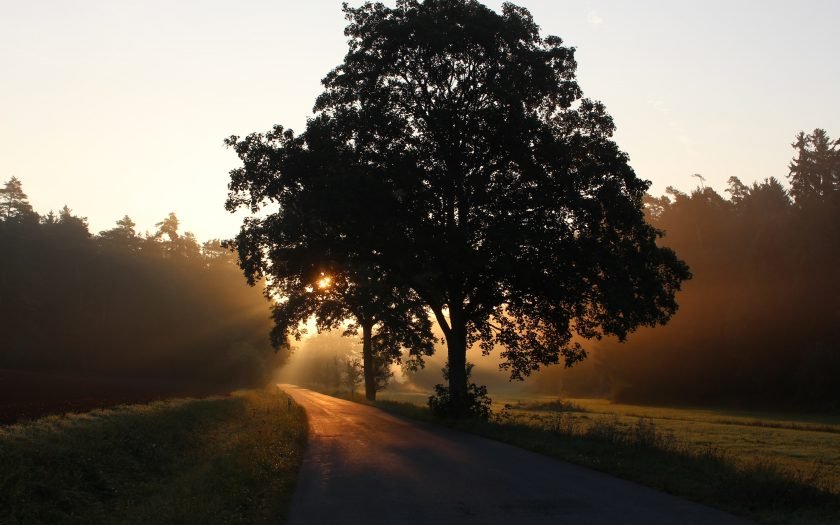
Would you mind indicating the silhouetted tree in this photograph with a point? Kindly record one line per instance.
(815, 171)
(14, 204)
(73, 225)
(179, 245)
(312, 265)
(496, 191)
(168, 227)
(122, 237)
(352, 375)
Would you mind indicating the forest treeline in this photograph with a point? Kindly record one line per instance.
(158, 309)
(759, 323)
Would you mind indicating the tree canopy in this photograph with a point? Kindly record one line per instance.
(14, 204)
(815, 171)
(312, 268)
(454, 150)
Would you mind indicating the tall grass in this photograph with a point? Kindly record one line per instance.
(217, 460)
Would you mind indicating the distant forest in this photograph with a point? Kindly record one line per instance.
(759, 323)
(157, 310)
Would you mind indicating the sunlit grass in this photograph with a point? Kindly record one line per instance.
(217, 460)
(768, 467)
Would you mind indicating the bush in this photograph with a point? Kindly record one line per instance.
(478, 404)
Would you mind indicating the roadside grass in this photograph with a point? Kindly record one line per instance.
(637, 448)
(227, 459)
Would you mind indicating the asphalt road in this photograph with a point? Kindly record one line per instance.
(364, 466)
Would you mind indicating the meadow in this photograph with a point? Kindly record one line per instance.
(224, 459)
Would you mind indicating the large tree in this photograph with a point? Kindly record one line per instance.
(495, 190)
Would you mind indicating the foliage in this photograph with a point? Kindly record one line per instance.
(353, 374)
(478, 404)
(758, 325)
(159, 310)
(315, 269)
(14, 204)
(453, 151)
(815, 171)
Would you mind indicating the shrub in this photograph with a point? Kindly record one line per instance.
(478, 404)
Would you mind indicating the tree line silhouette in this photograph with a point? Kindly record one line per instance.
(759, 324)
(159, 309)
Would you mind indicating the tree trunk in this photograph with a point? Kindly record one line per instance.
(367, 360)
(456, 345)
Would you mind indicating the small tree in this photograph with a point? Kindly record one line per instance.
(14, 204)
(353, 374)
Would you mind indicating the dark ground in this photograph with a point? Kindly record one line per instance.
(29, 395)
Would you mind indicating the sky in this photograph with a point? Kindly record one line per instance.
(118, 107)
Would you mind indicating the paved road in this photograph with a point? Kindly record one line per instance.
(364, 466)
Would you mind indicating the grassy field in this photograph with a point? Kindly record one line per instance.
(773, 468)
(230, 459)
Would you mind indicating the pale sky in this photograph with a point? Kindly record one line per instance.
(120, 107)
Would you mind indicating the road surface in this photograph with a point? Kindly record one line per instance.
(364, 466)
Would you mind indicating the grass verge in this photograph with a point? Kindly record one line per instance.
(227, 459)
(759, 490)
